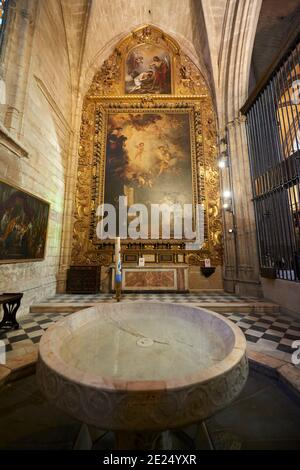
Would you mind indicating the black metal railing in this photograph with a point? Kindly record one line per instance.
(273, 128)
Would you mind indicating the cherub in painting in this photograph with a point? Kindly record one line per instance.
(135, 63)
(164, 158)
(139, 151)
(167, 161)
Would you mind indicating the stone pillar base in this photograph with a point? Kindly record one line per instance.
(61, 282)
(248, 289)
(243, 288)
(229, 286)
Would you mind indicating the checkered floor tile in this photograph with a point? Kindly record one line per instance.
(271, 333)
(31, 329)
(204, 296)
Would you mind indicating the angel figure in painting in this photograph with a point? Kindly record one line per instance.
(135, 63)
(165, 158)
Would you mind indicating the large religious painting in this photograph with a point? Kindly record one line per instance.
(23, 225)
(148, 70)
(148, 158)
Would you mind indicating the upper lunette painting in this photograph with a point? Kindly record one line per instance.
(148, 71)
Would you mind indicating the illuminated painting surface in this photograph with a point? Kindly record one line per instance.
(148, 158)
(148, 70)
(2, 6)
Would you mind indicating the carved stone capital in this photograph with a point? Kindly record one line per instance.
(236, 122)
(12, 144)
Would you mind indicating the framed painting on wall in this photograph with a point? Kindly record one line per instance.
(23, 225)
(149, 158)
(148, 71)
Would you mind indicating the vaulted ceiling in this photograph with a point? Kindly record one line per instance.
(94, 26)
(212, 32)
(278, 19)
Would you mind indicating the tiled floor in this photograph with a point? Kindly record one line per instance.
(272, 333)
(262, 417)
(204, 296)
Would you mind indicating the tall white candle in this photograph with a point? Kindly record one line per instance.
(118, 259)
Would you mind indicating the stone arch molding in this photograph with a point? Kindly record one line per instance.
(183, 44)
(107, 92)
(109, 80)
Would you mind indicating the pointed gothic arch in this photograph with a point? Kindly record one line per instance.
(188, 95)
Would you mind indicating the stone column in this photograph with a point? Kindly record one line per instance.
(22, 16)
(70, 188)
(229, 236)
(246, 275)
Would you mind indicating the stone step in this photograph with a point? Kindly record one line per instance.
(243, 307)
(220, 307)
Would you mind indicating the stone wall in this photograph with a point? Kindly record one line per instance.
(37, 117)
(231, 27)
(285, 293)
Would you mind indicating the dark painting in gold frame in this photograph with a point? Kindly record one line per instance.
(23, 225)
(148, 158)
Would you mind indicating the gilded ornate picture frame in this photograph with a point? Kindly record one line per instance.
(145, 173)
(107, 98)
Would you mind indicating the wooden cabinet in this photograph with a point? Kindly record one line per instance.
(83, 280)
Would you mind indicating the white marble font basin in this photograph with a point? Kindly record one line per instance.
(142, 366)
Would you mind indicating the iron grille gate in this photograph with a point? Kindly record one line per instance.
(273, 129)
